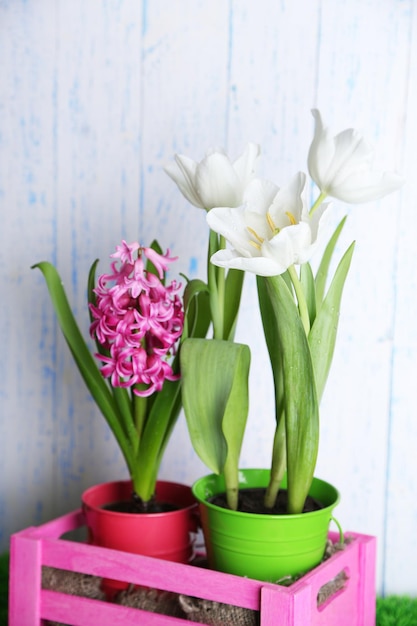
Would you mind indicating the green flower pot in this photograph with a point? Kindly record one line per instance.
(264, 547)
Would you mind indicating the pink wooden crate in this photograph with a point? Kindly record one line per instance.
(29, 604)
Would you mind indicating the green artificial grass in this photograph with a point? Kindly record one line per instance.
(4, 587)
(396, 611)
(390, 611)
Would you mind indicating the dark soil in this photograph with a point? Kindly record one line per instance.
(251, 500)
(137, 505)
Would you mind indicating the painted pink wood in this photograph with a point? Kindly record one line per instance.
(86, 612)
(25, 580)
(278, 606)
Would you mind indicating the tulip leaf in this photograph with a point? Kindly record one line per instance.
(322, 337)
(233, 291)
(323, 270)
(215, 399)
(300, 398)
(278, 465)
(272, 343)
(309, 288)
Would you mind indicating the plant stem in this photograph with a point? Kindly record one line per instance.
(279, 464)
(302, 303)
(231, 478)
(139, 413)
(216, 280)
(318, 202)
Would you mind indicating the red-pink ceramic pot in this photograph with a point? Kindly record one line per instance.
(167, 536)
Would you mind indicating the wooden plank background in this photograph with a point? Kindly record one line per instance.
(95, 98)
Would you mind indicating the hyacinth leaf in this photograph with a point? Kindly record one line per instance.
(83, 358)
(323, 269)
(150, 267)
(196, 309)
(216, 403)
(121, 395)
(300, 398)
(233, 292)
(161, 420)
(309, 289)
(91, 283)
(322, 336)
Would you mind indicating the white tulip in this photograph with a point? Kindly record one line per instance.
(341, 166)
(270, 232)
(216, 180)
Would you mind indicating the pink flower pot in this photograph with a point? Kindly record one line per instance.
(167, 536)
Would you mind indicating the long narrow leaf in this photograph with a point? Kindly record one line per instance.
(120, 394)
(323, 270)
(83, 358)
(272, 339)
(322, 337)
(233, 292)
(196, 309)
(159, 424)
(309, 288)
(301, 406)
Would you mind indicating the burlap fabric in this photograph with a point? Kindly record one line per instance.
(216, 613)
(152, 600)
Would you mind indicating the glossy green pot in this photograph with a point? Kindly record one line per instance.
(264, 547)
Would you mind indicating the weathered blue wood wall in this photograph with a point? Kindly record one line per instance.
(95, 97)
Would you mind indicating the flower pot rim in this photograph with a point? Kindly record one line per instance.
(246, 515)
(125, 482)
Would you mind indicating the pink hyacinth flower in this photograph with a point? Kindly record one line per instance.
(137, 320)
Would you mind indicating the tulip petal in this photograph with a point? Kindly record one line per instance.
(259, 195)
(366, 186)
(262, 266)
(183, 178)
(244, 165)
(232, 224)
(274, 236)
(341, 166)
(217, 182)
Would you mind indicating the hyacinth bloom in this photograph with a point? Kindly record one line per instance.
(137, 320)
(216, 180)
(270, 232)
(341, 166)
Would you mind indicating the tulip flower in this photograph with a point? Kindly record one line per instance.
(341, 166)
(216, 180)
(272, 231)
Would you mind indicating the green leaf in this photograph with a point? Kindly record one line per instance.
(322, 337)
(272, 342)
(272, 339)
(323, 270)
(196, 309)
(121, 395)
(83, 358)
(300, 398)
(309, 288)
(215, 399)
(150, 267)
(160, 422)
(91, 283)
(233, 292)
